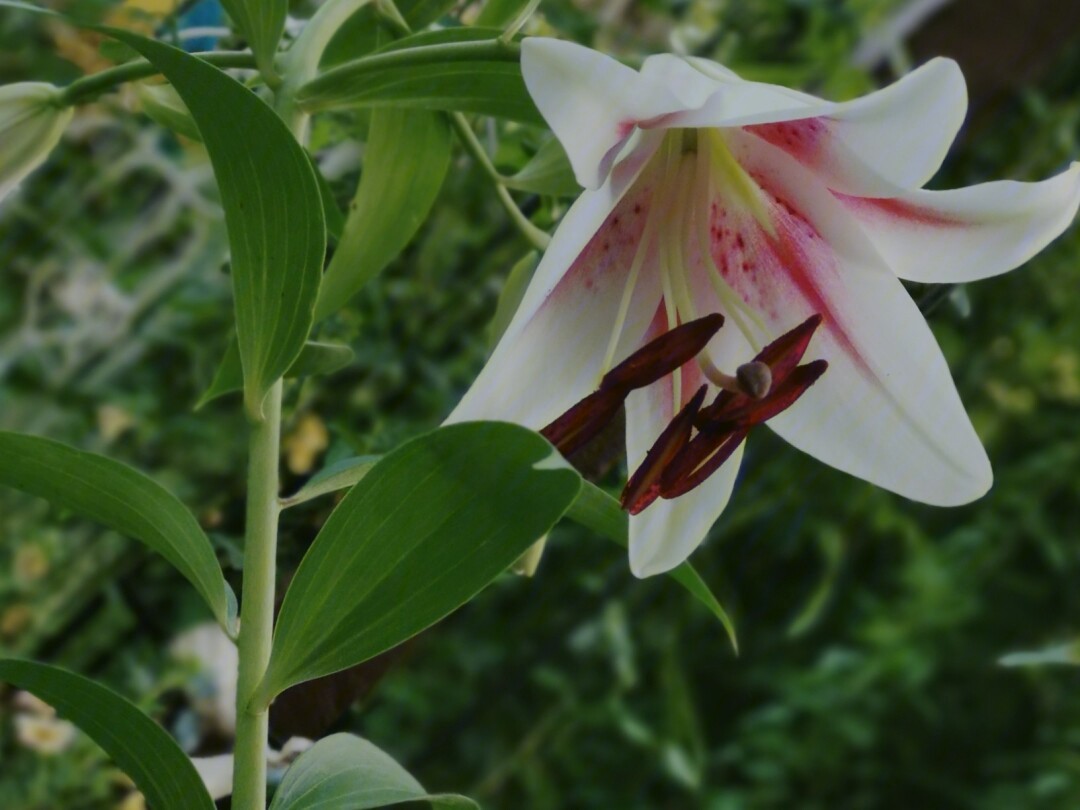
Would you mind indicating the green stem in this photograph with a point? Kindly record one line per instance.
(536, 237)
(539, 239)
(257, 605)
(89, 88)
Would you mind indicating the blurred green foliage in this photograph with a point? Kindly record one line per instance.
(871, 627)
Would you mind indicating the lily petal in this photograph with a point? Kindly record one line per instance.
(903, 131)
(886, 410)
(546, 360)
(968, 233)
(691, 85)
(592, 102)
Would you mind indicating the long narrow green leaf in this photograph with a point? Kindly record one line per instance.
(341, 475)
(261, 22)
(344, 772)
(142, 749)
(273, 211)
(424, 531)
(434, 71)
(405, 160)
(123, 499)
(595, 509)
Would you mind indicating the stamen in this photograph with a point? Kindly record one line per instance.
(648, 232)
(663, 355)
(644, 485)
(741, 185)
(732, 302)
(580, 424)
(768, 385)
(667, 266)
(689, 141)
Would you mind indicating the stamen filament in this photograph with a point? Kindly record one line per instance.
(642, 250)
(734, 306)
(667, 265)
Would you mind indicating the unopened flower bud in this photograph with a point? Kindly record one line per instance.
(32, 120)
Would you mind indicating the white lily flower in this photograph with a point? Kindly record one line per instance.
(31, 123)
(711, 194)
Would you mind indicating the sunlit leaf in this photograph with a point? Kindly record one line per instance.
(405, 161)
(344, 772)
(139, 746)
(424, 531)
(123, 499)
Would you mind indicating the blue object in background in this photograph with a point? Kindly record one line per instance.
(204, 14)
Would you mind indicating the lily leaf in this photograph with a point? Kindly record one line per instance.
(261, 22)
(123, 499)
(273, 208)
(405, 161)
(341, 475)
(422, 533)
(315, 359)
(548, 172)
(422, 13)
(273, 211)
(497, 13)
(596, 510)
(510, 297)
(457, 69)
(345, 772)
(593, 508)
(142, 749)
(162, 104)
(335, 219)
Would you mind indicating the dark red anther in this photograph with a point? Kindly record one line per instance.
(703, 456)
(652, 362)
(663, 355)
(784, 353)
(644, 485)
(574, 429)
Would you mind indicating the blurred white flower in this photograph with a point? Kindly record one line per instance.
(29, 703)
(215, 653)
(46, 735)
(217, 771)
(31, 123)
